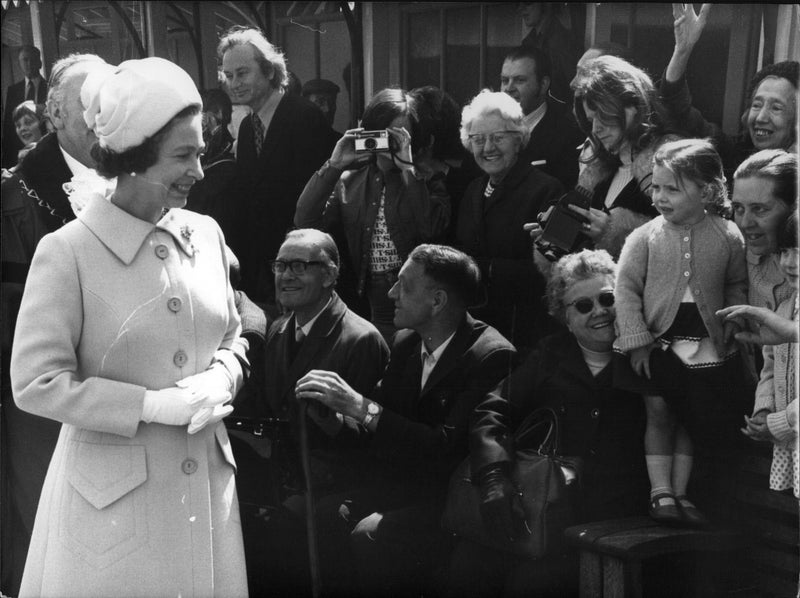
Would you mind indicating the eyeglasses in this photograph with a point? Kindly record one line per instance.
(585, 304)
(296, 266)
(497, 138)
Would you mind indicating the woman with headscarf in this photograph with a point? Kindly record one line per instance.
(128, 335)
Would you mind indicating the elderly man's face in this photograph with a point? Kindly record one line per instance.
(246, 82)
(66, 114)
(413, 296)
(770, 121)
(29, 63)
(519, 80)
(307, 292)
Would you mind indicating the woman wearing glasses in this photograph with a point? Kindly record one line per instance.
(493, 211)
(571, 372)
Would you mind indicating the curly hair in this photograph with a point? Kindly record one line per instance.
(136, 159)
(696, 160)
(267, 55)
(608, 86)
(572, 268)
(489, 102)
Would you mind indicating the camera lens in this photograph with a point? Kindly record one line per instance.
(370, 143)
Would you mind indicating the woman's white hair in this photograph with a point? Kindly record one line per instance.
(489, 102)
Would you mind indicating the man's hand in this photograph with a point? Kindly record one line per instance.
(329, 389)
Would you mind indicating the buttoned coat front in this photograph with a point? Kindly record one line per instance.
(113, 306)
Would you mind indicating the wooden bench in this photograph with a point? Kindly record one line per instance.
(757, 553)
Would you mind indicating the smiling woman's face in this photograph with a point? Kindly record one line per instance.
(758, 213)
(594, 330)
(500, 147)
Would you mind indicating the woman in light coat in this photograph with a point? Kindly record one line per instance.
(128, 335)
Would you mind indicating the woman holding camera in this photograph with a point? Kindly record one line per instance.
(493, 211)
(369, 194)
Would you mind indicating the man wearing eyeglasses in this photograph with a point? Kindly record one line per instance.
(416, 422)
(318, 331)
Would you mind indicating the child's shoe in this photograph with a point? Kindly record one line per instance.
(667, 513)
(691, 515)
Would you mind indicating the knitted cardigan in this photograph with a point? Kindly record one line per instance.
(657, 264)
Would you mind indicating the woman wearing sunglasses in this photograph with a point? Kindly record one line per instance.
(493, 210)
(601, 426)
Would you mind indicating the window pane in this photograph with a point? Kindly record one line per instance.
(504, 32)
(463, 53)
(425, 49)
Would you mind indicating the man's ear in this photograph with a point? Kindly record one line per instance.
(545, 85)
(440, 299)
(54, 113)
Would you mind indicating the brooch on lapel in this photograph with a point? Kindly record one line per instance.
(186, 233)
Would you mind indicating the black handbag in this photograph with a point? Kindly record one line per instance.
(538, 477)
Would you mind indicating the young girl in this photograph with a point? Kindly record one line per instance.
(775, 411)
(674, 273)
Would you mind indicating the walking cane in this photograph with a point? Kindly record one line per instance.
(311, 527)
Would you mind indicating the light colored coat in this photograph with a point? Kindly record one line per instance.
(113, 306)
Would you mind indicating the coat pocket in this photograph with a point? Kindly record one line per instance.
(104, 515)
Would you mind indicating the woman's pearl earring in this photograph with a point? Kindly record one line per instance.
(133, 174)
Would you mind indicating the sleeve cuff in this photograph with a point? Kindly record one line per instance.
(778, 424)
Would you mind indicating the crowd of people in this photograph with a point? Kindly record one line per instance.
(364, 311)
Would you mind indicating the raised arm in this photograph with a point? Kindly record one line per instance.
(688, 27)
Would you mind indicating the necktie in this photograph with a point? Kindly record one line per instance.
(299, 336)
(30, 92)
(258, 133)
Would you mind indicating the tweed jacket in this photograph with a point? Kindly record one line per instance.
(660, 260)
(346, 205)
(140, 306)
(422, 432)
(600, 426)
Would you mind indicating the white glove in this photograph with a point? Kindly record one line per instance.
(216, 376)
(171, 406)
(208, 416)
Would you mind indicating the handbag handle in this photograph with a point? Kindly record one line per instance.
(543, 416)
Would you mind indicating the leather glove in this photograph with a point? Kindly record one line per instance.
(216, 376)
(500, 505)
(208, 416)
(171, 406)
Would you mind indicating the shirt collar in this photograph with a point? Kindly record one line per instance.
(535, 117)
(75, 167)
(435, 355)
(124, 234)
(306, 328)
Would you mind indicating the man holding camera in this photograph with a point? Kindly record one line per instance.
(379, 208)
(279, 145)
(555, 136)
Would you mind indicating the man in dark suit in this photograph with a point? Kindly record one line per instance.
(417, 421)
(32, 87)
(34, 204)
(555, 136)
(280, 145)
(317, 332)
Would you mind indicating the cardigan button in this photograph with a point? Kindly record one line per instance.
(687, 255)
(686, 239)
(595, 413)
(174, 304)
(162, 251)
(189, 466)
(687, 274)
(180, 358)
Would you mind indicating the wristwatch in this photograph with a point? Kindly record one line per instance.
(373, 409)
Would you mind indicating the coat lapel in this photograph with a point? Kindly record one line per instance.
(449, 359)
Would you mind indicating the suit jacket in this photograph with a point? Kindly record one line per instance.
(600, 425)
(422, 433)
(14, 97)
(297, 143)
(556, 140)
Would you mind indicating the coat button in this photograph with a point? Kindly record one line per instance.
(180, 359)
(686, 274)
(174, 304)
(595, 413)
(189, 466)
(162, 251)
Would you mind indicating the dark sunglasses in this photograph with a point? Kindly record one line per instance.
(584, 305)
(296, 266)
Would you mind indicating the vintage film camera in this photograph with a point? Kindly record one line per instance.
(563, 228)
(368, 142)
